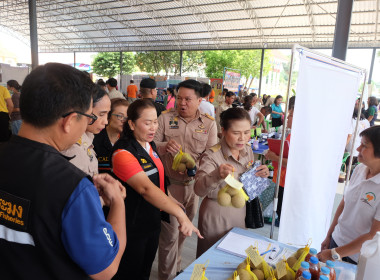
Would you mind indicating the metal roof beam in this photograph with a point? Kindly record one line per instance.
(309, 10)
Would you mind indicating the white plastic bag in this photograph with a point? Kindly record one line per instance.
(369, 260)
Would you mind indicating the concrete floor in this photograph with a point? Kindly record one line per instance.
(189, 251)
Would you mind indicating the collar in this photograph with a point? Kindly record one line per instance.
(86, 138)
(227, 152)
(36, 145)
(374, 179)
(198, 115)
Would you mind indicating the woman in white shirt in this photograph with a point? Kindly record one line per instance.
(253, 112)
(357, 218)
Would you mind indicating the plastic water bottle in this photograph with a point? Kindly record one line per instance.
(331, 266)
(305, 276)
(312, 253)
(323, 277)
(304, 267)
(325, 271)
(314, 268)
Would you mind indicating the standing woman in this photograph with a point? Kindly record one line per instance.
(171, 99)
(253, 112)
(104, 141)
(82, 152)
(357, 218)
(16, 121)
(231, 154)
(277, 111)
(372, 110)
(136, 164)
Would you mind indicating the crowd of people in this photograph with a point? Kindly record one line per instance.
(91, 171)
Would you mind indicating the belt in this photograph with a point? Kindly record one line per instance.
(185, 183)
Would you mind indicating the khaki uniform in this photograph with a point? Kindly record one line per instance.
(194, 137)
(221, 108)
(84, 154)
(214, 220)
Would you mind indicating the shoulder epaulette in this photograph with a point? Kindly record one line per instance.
(216, 148)
(210, 117)
(167, 111)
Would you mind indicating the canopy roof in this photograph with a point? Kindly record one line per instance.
(142, 25)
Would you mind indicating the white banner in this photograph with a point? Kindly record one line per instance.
(325, 98)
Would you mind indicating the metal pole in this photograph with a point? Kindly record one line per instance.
(33, 32)
(355, 132)
(275, 201)
(121, 71)
(75, 60)
(372, 64)
(261, 70)
(180, 62)
(342, 29)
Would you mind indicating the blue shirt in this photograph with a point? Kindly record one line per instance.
(87, 237)
(277, 109)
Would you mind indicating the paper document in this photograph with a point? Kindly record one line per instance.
(236, 244)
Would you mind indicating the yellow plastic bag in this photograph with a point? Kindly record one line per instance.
(302, 257)
(232, 196)
(177, 160)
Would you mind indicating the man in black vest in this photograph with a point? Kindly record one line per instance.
(51, 221)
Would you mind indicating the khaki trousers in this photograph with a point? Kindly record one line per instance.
(171, 239)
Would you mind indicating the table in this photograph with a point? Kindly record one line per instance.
(223, 264)
(261, 149)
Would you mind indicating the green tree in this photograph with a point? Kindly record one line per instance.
(217, 60)
(193, 61)
(107, 64)
(155, 61)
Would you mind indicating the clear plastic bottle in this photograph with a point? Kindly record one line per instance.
(314, 268)
(331, 266)
(312, 253)
(325, 271)
(304, 267)
(305, 276)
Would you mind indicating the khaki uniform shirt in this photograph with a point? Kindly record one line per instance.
(115, 94)
(208, 181)
(194, 137)
(84, 154)
(219, 110)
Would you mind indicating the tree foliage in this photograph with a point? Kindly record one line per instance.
(107, 64)
(247, 61)
(155, 61)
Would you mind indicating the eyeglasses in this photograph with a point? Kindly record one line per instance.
(92, 117)
(120, 117)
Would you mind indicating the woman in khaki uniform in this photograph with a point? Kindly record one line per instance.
(232, 154)
(82, 152)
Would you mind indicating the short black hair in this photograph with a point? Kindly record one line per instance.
(191, 84)
(112, 82)
(233, 114)
(267, 110)
(292, 102)
(14, 84)
(277, 97)
(225, 90)
(372, 134)
(53, 89)
(247, 104)
(372, 101)
(101, 83)
(206, 90)
(230, 93)
(131, 81)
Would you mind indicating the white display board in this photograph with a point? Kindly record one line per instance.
(325, 98)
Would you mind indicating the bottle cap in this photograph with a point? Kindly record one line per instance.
(306, 275)
(325, 270)
(305, 265)
(314, 260)
(313, 251)
(330, 264)
(323, 277)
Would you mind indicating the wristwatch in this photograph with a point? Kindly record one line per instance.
(335, 255)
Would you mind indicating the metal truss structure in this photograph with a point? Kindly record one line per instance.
(144, 25)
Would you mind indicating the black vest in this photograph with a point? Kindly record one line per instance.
(36, 182)
(103, 150)
(141, 216)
